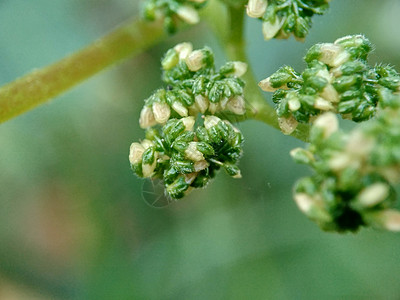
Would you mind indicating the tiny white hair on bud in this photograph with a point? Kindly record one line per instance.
(333, 55)
(329, 93)
(271, 29)
(294, 104)
(211, 121)
(373, 194)
(287, 125)
(192, 153)
(200, 165)
(188, 122)
(328, 122)
(256, 8)
(213, 107)
(237, 105)
(322, 104)
(201, 103)
(180, 108)
(135, 153)
(148, 169)
(194, 60)
(240, 68)
(146, 118)
(184, 49)
(188, 14)
(304, 202)
(161, 112)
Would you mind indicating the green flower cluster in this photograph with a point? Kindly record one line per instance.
(281, 18)
(185, 156)
(355, 173)
(337, 79)
(183, 153)
(194, 86)
(173, 11)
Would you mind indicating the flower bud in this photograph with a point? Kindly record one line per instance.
(322, 104)
(333, 55)
(188, 122)
(236, 105)
(256, 8)
(161, 112)
(195, 60)
(146, 118)
(270, 29)
(188, 14)
(328, 122)
(135, 153)
(192, 153)
(180, 108)
(287, 125)
(211, 121)
(200, 165)
(302, 156)
(170, 59)
(373, 194)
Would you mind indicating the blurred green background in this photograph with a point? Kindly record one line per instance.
(74, 223)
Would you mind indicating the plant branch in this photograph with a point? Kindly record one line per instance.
(41, 85)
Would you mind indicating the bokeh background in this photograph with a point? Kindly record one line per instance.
(73, 220)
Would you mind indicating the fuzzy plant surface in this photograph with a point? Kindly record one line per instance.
(180, 151)
(283, 18)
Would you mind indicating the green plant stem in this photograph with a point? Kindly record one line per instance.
(41, 85)
(227, 23)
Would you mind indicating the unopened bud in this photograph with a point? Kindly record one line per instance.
(180, 109)
(192, 153)
(135, 153)
(211, 121)
(302, 156)
(195, 60)
(201, 103)
(322, 104)
(239, 68)
(287, 125)
(183, 49)
(271, 29)
(256, 8)
(146, 118)
(266, 86)
(333, 55)
(188, 122)
(329, 93)
(161, 112)
(373, 194)
(236, 105)
(200, 165)
(188, 14)
(328, 122)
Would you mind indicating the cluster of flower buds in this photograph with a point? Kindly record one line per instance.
(281, 18)
(194, 86)
(354, 173)
(173, 11)
(337, 79)
(186, 156)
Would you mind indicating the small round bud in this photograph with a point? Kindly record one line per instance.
(188, 14)
(236, 105)
(195, 60)
(328, 122)
(270, 29)
(302, 156)
(183, 49)
(266, 86)
(211, 121)
(180, 109)
(373, 194)
(333, 55)
(161, 112)
(256, 8)
(200, 165)
(322, 104)
(188, 122)
(287, 125)
(201, 103)
(240, 68)
(135, 153)
(147, 118)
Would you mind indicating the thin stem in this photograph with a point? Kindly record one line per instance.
(39, 86)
